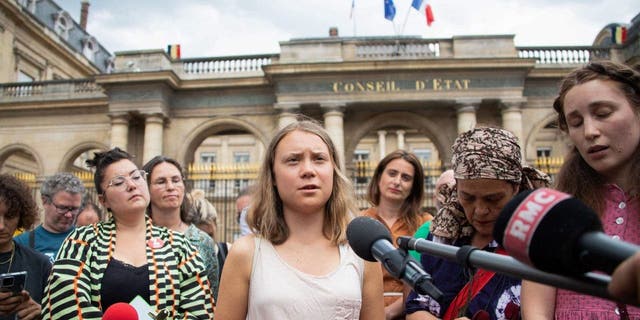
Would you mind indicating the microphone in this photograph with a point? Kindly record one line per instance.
(120, 311)
(371, 241)
(590, 283)
(554, 232)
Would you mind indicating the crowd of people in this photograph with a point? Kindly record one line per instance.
(292, 261)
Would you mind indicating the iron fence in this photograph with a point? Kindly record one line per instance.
(222, 184)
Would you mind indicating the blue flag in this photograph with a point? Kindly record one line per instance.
(389, 10)
(416, 4)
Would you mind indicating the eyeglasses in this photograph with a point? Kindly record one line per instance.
(64, 209)
(176, 181)
(138, 177)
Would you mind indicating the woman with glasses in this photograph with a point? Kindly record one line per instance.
(170, 208)
(126, 257)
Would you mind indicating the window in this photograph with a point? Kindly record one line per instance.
(543, 152)
(89, 47)
(110, 64)
(423, 154)
(29, 4)
(241, 157)
(208, 157)
(63, 23)
(361, 155)
(23, 77)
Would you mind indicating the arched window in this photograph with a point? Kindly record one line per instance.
(29, 4)
(89, 47)
(63, 24)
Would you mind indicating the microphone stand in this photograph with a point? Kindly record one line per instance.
(590, 283)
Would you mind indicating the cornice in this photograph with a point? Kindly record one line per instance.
(219, 83)
(163, 76)
(398, 65)
(42, 105)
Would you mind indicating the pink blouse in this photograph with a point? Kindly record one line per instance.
(621, 220)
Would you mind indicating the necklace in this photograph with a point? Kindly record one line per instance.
(10, 260)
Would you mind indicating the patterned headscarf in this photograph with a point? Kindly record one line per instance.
(482, 153)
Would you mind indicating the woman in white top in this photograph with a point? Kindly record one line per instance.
(298, 265)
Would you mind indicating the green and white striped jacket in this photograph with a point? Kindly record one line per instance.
(177, 278)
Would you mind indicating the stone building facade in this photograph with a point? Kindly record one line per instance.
(372, 94)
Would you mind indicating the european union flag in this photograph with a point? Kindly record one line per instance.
(416, 4)
(389, 10)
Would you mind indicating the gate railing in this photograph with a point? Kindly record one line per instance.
(222, 183)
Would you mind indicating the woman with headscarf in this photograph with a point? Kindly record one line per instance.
(488, 172)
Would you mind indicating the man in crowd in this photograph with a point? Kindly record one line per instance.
(61, 199)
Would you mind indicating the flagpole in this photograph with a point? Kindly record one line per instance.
(355, 32)
(406, 17)
(353, 17)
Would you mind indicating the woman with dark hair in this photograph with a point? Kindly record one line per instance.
(297, 264)
(598, 106)
(170, 208)
(396, 190)
(488, 173)
(18, 210)
(126, 257)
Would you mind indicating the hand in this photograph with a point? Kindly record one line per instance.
(28, 309)
(9, 303)
(625, 280)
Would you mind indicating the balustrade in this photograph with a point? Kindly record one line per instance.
(563, 55)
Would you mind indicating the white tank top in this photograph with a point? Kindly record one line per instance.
(279, 291)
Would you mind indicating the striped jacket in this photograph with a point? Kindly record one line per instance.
(177, 278)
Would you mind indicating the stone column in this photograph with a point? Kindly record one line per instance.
(382, 143)
(153, 133)
(512, 119)
(287, 113)
(120, 131)
(400, 135)
(467, 116)
(225, 156)
(334, 124)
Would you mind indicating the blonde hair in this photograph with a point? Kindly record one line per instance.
(266, 214)
(202, 211)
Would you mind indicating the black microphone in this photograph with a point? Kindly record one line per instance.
(371, 241)
(590, 283)
(554, 232)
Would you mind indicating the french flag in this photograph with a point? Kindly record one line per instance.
(422, 6)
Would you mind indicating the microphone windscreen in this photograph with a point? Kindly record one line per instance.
(362, 233)
(553, 240)
(505, 215)
(120, 311)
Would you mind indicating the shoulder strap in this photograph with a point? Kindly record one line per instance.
(224, 247)
(470, 290)
(32, 239)
(222, 256)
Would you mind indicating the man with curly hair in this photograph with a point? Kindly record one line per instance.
(62, 200)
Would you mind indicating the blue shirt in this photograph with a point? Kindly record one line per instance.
(46, 242)
(501, 294)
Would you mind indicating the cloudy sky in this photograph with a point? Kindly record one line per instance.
(207, 28)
